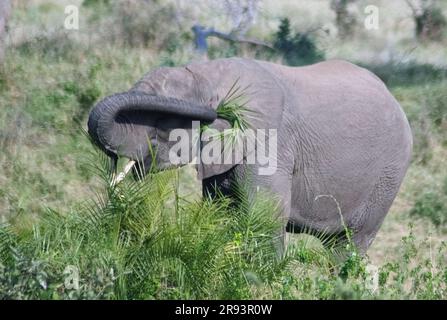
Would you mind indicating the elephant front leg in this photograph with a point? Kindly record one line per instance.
(276, 187)
(280, 186)
(221, 184)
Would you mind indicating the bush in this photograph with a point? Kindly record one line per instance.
(431, 205)
(297, 49)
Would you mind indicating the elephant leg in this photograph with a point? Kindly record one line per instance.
(279, 185)
(219, 184)
(375, 209)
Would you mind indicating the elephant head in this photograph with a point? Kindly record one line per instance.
(136, 125)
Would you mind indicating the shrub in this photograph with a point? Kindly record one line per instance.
(431, 205)
(297, 49)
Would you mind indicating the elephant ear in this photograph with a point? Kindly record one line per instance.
(206, 170)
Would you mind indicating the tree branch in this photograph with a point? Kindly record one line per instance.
(201, 33)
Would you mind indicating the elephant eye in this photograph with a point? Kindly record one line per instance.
(165, 125)
(163, 133)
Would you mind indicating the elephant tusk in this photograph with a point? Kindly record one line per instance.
(113, 164)
(120, 177)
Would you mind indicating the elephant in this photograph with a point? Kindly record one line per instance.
(343, 145)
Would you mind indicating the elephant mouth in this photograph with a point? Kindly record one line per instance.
(137, 165)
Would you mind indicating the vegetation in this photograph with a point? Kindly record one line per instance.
(432, 205)
(429, 19)
(156, 238)
(345, 20)
(143, 240)
(298, 49)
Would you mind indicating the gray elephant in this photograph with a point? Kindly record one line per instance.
(343, 142)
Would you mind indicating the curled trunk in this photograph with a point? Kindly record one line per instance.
(120, 124)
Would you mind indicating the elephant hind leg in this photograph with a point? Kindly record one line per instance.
(364, 222)
(375, 209)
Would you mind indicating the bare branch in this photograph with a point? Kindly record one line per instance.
(230, 37)
(201, 33)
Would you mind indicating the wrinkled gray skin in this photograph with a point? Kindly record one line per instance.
(344, 143)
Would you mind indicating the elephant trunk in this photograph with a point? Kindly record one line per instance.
(118, 122)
